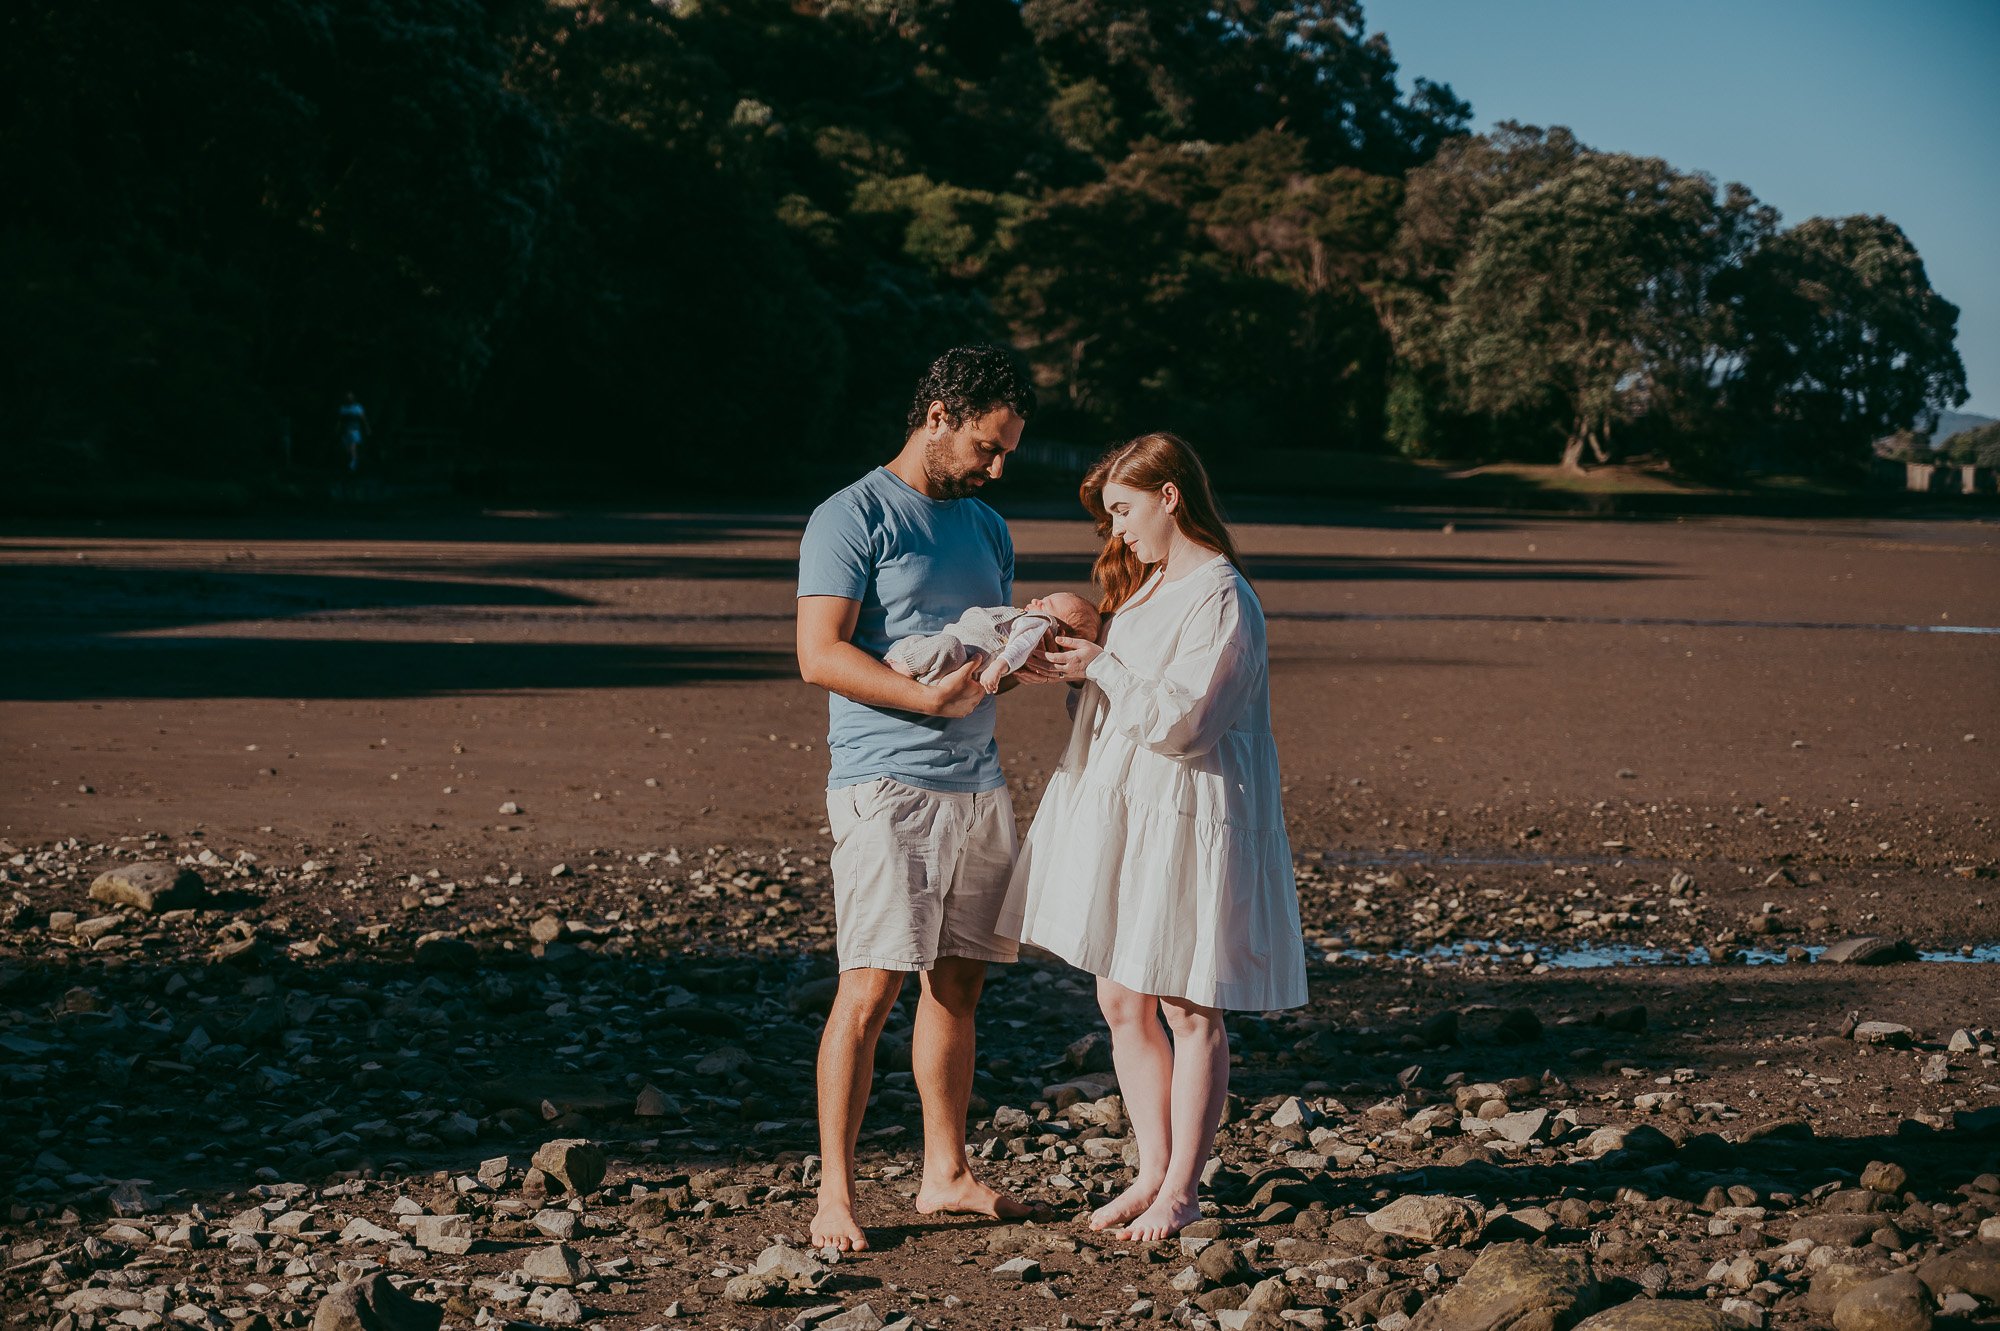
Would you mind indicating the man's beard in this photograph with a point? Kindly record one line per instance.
(947, 483)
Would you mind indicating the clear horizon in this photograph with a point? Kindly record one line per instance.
(1825, 109)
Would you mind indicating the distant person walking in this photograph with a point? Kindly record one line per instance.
(1158, 859)
(354, 428)
(923, 830)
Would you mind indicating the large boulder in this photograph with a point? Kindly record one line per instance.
(572, 1162)
(1515, 1287)
(373, 1304)
(151, 886)
(1655, 1315)
(1975, 1269)
(1894, 1303)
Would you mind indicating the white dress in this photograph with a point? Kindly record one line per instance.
(1158, 857)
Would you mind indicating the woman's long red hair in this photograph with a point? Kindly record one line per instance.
(1150, 462)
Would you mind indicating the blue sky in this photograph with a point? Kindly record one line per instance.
(1822, 108)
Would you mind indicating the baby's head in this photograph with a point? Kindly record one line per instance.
(1078, 617)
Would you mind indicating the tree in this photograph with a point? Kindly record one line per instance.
(1843, 341)
(1196, 70)
(1443, 205)
(1590, 292)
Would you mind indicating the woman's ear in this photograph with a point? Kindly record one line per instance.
(1170, 496)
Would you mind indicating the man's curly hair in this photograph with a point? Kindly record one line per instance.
(972, 381)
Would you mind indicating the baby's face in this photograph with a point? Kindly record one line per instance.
(1071, 609)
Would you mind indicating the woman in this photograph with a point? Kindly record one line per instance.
(1158, 860)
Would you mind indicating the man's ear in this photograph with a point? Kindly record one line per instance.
(938, 419)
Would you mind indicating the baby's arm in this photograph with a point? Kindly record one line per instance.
(925, 656)
(1023, 636)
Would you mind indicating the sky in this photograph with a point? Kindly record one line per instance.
(1824, 108)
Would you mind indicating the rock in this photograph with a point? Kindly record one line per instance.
(1272, 1296)
(1654, 1315)
(373, 1304)
(1841, 1231)
(1433, 1221)
(802, 1272)
(861, 1317)
(1640, 1142)
(1008, 1119)
(572, 1162)
(555, 1223)
(1868, 951)
(361, 1230)
(451, 1234)
(150, 887)
(1522, 1127)
(1514, 1287)
(133, 1198)
(1019, 1270)
(1831, 1283)
(1974, 1268)
(1894, 1303)
(1885, 1033)
(1885, 1177)
(493, 1172)
(1222, 1264)
(561, 1309)
(557, 1264)
(1292, 1114)
(1090, 1053)
(653, 1103)
(755, 1287)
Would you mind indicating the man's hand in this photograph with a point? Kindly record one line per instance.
(829, 658)
(956, 694)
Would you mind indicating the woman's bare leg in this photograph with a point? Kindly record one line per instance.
(1145, 1063)
(1200, 1083)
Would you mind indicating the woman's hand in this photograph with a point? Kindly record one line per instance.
(1073, 658)
(1036, 669)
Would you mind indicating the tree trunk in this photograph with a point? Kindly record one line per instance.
(1573, 450)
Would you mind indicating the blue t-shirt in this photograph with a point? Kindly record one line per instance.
(915, 564)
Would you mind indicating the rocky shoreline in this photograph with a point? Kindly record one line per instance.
(245, 1092)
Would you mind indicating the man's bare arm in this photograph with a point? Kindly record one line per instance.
(828, 658)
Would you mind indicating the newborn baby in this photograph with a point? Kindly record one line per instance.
(1004, 635)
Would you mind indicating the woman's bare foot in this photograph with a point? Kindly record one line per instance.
(834, 1226)
(1127, 1204)
(1166, 1217)
(963, 1194)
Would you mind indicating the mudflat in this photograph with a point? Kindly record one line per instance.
(510, 828)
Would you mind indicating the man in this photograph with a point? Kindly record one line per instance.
(353, 422)
(923, 828)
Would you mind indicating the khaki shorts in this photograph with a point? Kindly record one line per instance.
(919, 874)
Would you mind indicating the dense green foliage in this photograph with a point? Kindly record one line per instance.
(616, 240)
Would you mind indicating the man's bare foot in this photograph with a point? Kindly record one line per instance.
(1166, 1217)
(1126, 1204)
(834, 1226)
(966, 1195)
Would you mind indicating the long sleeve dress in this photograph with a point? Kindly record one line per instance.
(1158, 857)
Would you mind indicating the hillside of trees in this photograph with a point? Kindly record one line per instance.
(651, 242)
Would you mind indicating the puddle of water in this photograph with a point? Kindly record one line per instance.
(1598, 956)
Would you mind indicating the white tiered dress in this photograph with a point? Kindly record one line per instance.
(1158, 857)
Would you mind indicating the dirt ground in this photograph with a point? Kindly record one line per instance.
(1734, 694)
(1506, 741)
